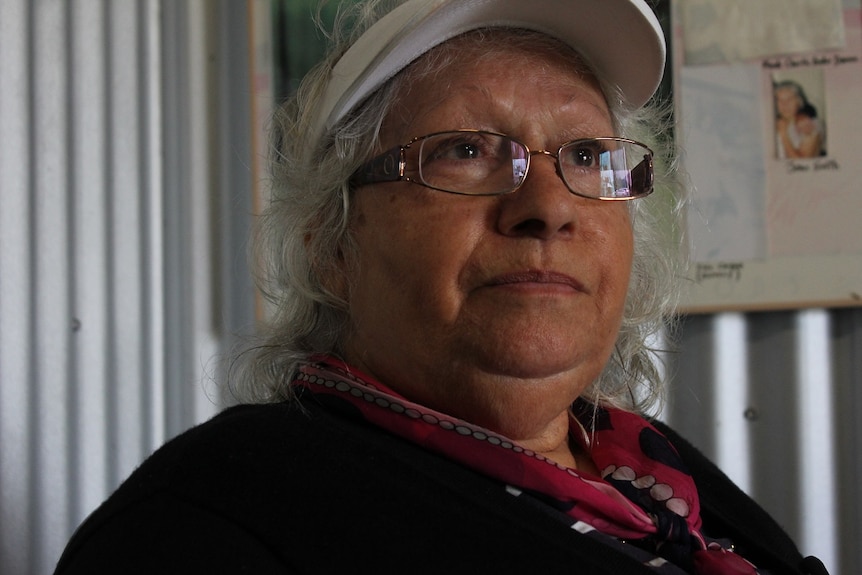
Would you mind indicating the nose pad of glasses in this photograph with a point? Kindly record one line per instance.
(555, 158)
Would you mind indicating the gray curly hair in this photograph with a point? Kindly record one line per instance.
(304, 232)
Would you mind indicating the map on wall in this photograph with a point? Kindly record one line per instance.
(771, 136)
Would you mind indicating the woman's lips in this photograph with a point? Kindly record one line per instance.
(537, 280)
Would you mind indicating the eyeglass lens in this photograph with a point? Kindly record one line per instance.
(482, 163)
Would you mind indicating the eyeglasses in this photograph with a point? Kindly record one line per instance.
(479, 163)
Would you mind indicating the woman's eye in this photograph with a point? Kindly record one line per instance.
(585, 157)
(457, 151)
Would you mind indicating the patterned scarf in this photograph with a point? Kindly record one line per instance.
(645, 494)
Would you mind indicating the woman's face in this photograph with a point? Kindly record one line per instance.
(788, 102)
(499, 310)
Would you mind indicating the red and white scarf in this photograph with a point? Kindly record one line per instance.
(644, 491)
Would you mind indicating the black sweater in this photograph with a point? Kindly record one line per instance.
(282, 489)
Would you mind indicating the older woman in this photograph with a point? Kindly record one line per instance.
(465, 263)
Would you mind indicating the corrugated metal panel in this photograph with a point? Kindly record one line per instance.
(773, 398)
(118, 212)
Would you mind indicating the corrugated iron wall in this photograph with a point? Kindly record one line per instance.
(773, 398)
(125, 194)
(125, 190)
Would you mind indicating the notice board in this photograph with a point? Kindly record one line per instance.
(774, 220)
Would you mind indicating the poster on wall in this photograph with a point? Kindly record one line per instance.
(768, 98)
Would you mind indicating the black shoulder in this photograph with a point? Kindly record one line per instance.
(193, 491)
(728, 512)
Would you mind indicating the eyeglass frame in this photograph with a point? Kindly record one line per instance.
(382, 168)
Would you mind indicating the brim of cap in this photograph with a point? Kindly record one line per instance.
(620, 40)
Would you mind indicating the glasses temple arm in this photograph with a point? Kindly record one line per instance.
(387, 167)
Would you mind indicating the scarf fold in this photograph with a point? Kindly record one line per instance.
(645, 493)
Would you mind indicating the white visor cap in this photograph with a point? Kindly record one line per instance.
(620, 40)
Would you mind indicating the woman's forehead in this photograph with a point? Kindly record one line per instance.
(466, 79)
(787, 92)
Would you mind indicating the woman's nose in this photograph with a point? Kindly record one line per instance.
(543, 207)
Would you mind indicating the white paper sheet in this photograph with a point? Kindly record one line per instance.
(724, 155)
(716, 31)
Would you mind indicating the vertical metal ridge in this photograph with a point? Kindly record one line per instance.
(846, 361)
(815, 418)
(127, 264)
(30, 413)
(73, 381)
(16, 302)
(154, 246)
(88, 188)
(690, 404)
(730, 395)
(51, 233)
(173, 25)
(771, 416)
(112, 363)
